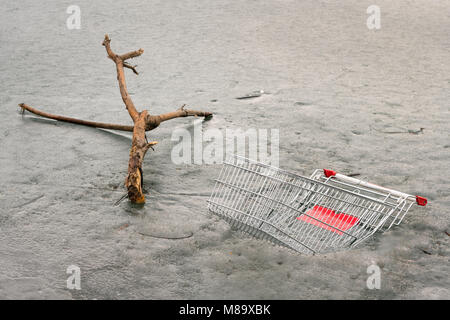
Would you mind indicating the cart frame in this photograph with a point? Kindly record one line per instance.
(321, 213)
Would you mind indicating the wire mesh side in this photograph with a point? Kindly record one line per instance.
(243, 196)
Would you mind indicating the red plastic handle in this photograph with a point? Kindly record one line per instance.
(421, 201)
(329, 173)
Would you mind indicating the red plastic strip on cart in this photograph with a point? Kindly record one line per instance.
(341, 221)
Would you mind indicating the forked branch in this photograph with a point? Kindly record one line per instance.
(143, 122)
(119, 61)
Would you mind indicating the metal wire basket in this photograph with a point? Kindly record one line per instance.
(325, 212)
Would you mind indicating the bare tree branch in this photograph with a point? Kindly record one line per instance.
(134, 114)
(130, 55)
(155, 121)
(143, 122)
(77, 121)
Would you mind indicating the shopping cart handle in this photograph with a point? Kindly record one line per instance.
(421, 201)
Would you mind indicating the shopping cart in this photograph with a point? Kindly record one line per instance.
(325, 212)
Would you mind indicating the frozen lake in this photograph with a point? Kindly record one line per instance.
(342, 97)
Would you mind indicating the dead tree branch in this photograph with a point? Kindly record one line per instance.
(143, 122)
(77, 121)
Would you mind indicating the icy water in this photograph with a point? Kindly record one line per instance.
(335, 90)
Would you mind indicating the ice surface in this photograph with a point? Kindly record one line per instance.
(332, 87)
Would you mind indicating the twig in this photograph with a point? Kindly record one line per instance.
(121, 199)
(354, 174)
(409, 131)
(129, 66)
(168, 238)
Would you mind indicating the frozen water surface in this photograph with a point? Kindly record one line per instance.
(334, 89)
